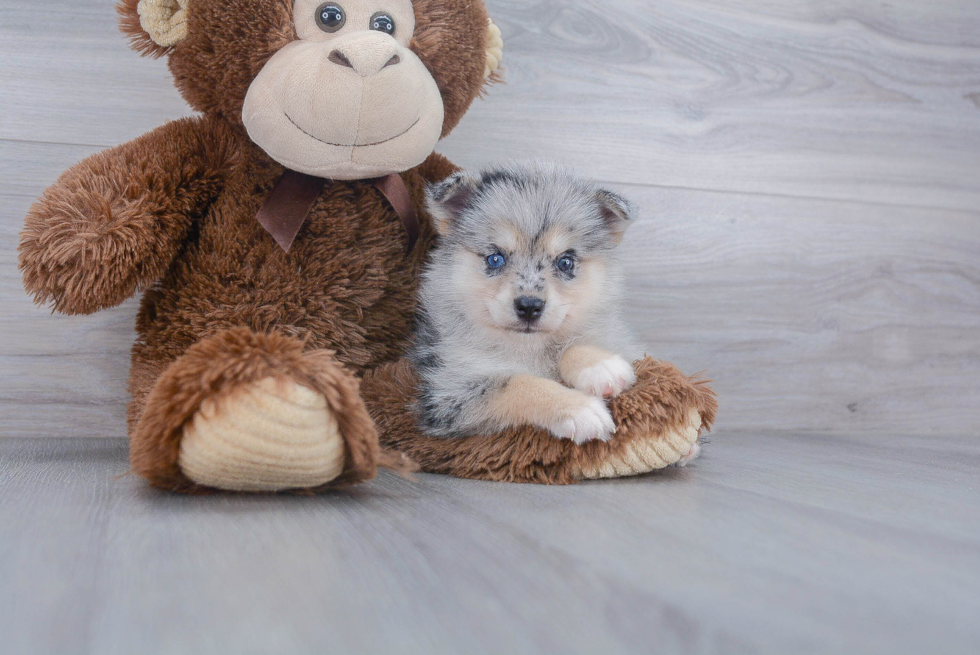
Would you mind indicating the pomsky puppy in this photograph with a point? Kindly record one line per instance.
(521, 295)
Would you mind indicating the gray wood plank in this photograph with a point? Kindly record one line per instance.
(846, 101)
(29, 167)
(841, 101)
(783, 543)
(79, 83)
(813, 315)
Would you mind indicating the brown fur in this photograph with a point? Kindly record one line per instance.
(113, 224)
(658, 401)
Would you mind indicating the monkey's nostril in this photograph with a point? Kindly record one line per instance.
(394, 60)
(340, 59)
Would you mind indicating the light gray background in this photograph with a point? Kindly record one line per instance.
(809, 178)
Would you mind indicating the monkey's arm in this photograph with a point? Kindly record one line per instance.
(113, 223)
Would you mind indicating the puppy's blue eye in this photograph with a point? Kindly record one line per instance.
(565, 264)
(496, 261)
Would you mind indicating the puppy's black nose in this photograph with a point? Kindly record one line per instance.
(529, 309)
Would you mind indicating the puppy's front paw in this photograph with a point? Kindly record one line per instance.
(586, 422)
(607, 379)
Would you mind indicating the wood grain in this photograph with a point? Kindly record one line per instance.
(845, 102)
(813, 315)
(788, 543)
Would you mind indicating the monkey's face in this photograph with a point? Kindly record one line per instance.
(344, 89)
(348, 99)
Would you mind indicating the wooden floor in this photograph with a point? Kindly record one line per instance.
(769, 544)
(809, 178)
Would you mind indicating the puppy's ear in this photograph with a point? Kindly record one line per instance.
(446, 200)
(616, 211)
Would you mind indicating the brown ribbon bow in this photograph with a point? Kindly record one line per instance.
(292, 198)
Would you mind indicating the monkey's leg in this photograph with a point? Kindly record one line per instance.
(659, 420)
(243, 411)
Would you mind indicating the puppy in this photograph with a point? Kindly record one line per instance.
(519, 317)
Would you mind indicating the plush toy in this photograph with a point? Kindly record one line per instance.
(278, 238)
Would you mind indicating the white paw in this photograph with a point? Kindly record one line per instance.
(586, 423)
(607, 379)
(690, 456)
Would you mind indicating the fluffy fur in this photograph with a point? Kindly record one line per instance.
(484, 368)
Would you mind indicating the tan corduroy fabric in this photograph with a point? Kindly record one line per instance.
(644, 455)
(242, 410)
(267, 436)
(164, 20)
(495, 49)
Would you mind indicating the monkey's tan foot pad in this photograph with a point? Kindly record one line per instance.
(269, 435)
(245, 411)
(659, 420)
(638, 455)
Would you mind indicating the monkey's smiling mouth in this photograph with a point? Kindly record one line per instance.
(352, 145)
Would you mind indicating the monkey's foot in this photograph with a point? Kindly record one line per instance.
(242, 411)
(269, 435)
(677, 444)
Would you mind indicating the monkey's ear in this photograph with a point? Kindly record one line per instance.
(616, 211)
(446, 200)
(495, 51)
(153, 26)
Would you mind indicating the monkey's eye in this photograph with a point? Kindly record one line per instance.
(382, 22)
(565, 264)
(496, 261)
(330, 17)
